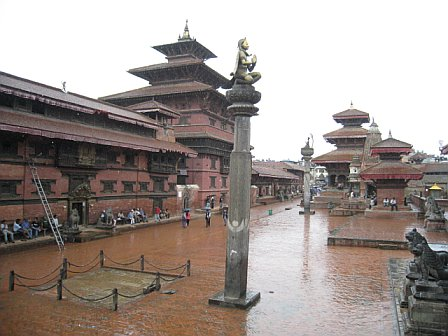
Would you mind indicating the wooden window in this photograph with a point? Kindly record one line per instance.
(171, 186)
(159, 184)
(212, 181)
(46, 186)
(8, 148)
(129, 159)
(213, 163)
(184, 120)
(22, 104)
(111, 157)
(224, 181)
(144, 186)
(108, 186)
(128, 186)
(212, 122)
(8, 188)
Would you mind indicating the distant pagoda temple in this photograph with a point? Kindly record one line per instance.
(182, 94)
(350, 142)
(391, 175)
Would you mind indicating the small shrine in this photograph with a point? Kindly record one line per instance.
(391, 175)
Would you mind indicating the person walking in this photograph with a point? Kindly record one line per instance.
(184, 219)
(208, 217)
(187, 217)
(225, 216)
(157, 212)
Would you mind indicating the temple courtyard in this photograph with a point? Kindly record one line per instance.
(307, 286)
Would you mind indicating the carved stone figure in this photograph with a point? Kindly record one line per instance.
(428, 262)
(433, 211)
(74, 219)
(109, 216)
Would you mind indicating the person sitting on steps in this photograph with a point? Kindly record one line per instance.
(6, 232)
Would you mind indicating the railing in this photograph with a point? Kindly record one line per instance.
(56, 279)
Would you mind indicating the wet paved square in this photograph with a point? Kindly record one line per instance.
(306, 286)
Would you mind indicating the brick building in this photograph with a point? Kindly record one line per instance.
(89, 155)
(187, 85)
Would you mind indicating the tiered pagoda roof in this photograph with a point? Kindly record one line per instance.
(49, 127)
(391, 145)
(338, 156)
(390, 167)
(351, 117)
(391, 170)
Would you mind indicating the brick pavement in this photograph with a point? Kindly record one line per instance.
(187, 311)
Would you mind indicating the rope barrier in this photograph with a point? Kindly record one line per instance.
(43, 277)
(74, 265)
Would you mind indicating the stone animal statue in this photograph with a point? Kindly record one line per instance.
(429, 262)
(414, 238)
(109, 216)
(433, 210)
(74, 219)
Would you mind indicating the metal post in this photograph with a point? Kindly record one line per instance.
(115, 298)
(188, 267)
(142, 263)
(60, 289)
(101, 258)
(11, 281)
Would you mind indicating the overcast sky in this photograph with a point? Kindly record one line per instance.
(389, 57)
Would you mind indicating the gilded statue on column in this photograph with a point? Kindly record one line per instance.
(244, 65)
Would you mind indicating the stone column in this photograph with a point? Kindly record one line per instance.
(307, 153)
(235, 293)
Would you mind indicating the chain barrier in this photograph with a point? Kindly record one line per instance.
(74, 265)
(153, 286)
(43, 277)
(87, 270)
(121, 264)
(21, 284)
(164, 269)
(87, 299)
(175, 277)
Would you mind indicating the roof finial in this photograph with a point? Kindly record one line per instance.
(351, 105)
(186, 34)
(390, 134)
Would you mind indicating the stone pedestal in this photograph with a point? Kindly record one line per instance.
(427, 312)
(235, 293)
(435, 224)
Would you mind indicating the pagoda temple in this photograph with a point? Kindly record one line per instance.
(391, 175)
(197, 112)
(350, 141)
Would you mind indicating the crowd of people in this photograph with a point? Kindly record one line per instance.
(21, 228)
(29, 230)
